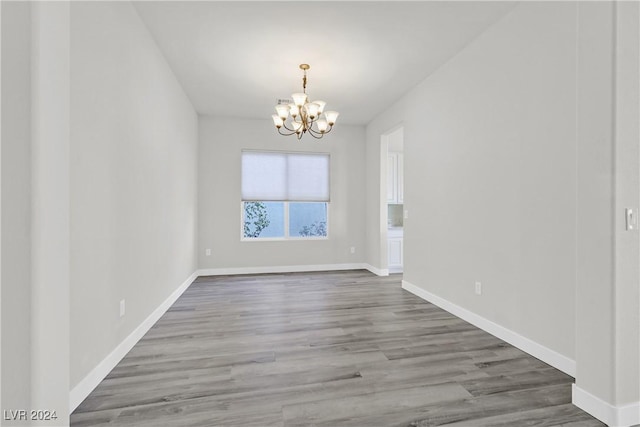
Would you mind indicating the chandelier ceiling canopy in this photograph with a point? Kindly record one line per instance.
(303, 116)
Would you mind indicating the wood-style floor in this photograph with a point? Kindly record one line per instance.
(323, 349)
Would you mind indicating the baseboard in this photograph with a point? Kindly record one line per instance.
(377, 271)
(282, 269)
(613, 416)
(91, 381)
(535, 349)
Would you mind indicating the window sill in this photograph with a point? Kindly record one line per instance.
(283, 239)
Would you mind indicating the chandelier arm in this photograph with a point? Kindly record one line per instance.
(285, 134)
(284, 125)
(322, 133)
(313, 134)
(317, 134)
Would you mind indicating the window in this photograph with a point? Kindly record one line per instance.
(284, 195)
(284, 220)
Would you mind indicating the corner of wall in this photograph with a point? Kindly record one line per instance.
(614, 416)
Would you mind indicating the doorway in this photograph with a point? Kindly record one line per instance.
(392, 202)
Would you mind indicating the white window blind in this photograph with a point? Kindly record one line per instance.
(274, 176)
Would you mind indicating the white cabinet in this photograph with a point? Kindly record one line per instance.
(392, 187)
(395, 254)
(395, 195)
(394, 250)
(395, 182)
(400, 177)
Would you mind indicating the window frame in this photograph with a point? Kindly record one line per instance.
(287, 236)
(286, 202)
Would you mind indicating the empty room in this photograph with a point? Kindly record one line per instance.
(320, 213)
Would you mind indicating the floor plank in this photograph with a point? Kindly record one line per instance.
(324, 349)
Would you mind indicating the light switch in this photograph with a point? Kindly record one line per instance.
(631, 219)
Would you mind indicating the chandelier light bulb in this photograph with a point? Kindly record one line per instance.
(331, 116)
(277, 120)
(322, 125)
(283, 111)
(303, 116)
(293, 109)
(299, 99)
(312, 109)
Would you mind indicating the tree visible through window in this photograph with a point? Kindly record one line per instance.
(256, 218)
(285, 220)
(308, 219)
(318, 228)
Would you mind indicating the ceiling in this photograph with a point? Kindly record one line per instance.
(234, 59)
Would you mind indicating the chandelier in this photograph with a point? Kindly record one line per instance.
(303, 116)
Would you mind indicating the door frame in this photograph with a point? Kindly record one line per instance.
(383, 213)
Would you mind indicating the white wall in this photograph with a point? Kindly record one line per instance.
(608, 269)
(0, 202)
(133, 180)
(608, 273)
(221, 142)
(490, 175)
(627, 131)
(595, 200)
(521, 154)
(35, 208)
(50, 233)
(16, 204)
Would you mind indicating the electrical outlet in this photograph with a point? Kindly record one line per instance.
(406, 214)
(478, 288)
(122, 307)
(353, 249)
(207, 252)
